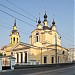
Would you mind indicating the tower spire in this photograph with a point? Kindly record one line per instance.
(45, 16)
(53, 23)
(39, 21)
(15, 22)
(39, 26)
(53, 27)
(15, 27)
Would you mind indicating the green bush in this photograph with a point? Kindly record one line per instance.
(1, 54)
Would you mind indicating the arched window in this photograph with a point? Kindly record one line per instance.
(14, 39)
(4, 54)
(37, 37)
(11, 53)
(17, 40)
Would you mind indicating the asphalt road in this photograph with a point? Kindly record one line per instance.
(57, 70)
(62, 71)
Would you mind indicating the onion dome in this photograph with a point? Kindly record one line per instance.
(39, 21)
(45, 16)
(53, 23)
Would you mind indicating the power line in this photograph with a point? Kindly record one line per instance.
(11, 28)
(21, 9)
(18, 27)
(64, 33)
(20, 31)
(28, 23)
(17, 18)
(18, 13)
(65, 36)
(28, 33)
(68, 38)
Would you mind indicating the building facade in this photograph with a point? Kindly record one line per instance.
(71, 55)
(44, 48)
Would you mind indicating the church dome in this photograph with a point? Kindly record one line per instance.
(39, 21)
(45, 16)
(53, 23)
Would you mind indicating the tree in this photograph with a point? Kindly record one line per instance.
(1, 54)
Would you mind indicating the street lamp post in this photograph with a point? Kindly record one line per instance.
(41, 55)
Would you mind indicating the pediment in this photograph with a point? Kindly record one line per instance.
(21, 46)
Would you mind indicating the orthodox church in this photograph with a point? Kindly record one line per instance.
(44, 48)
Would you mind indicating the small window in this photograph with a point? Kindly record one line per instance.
(4, 54)
(37, 37)
(14, 39)
(11, 53)
(37, 33)
(45, 59)
(17, 40)
(52, 59)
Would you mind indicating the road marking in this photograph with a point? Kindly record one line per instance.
(49, 71)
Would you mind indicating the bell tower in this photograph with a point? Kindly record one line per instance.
(14, 35)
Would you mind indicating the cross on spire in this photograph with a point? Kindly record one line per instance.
(39, 21)
(15, 22)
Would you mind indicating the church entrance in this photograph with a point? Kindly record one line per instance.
(22, 57)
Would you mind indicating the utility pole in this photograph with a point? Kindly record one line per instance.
(56, 48)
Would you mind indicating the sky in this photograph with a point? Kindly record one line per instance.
(61, 10)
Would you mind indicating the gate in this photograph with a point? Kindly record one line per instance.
(6, 64)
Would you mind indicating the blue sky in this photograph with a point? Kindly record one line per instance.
(61, 10)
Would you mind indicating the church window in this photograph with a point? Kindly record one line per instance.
(37, 37)
(52, 60)
(17, 40)
(11, 53)
(37, 33)
(14, 39)
(4, 54)
(45, 59)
